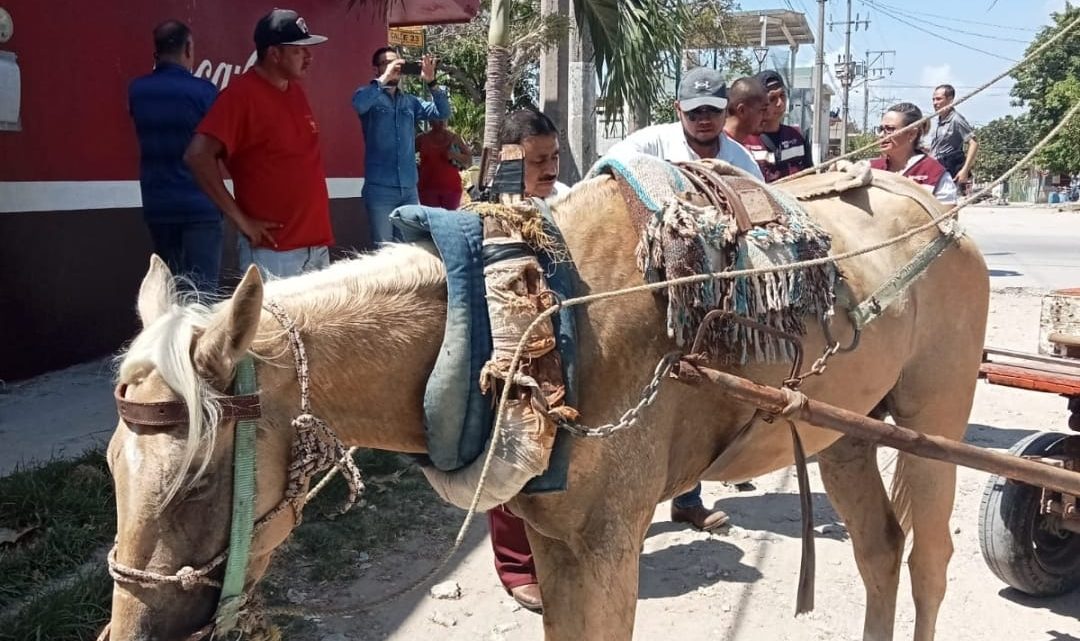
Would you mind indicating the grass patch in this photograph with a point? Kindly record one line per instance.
(75, 611)
(70, 510)
(65, 513)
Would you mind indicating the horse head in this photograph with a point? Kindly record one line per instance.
(173, 481)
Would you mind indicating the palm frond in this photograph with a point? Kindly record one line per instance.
(633, 42)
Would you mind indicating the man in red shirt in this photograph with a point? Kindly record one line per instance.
(263, 129)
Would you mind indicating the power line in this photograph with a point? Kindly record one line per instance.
(941, 37)
(956, 19)
(955, 30)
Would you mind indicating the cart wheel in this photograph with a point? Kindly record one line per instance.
(1023, 548)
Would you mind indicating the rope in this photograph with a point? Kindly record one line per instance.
(918, 123)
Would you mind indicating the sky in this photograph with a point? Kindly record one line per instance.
(989, 37)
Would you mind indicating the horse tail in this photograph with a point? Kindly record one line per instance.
(901, 495)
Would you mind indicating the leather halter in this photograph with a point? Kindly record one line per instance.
(168, 413)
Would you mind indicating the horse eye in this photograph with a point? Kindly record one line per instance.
(198, 489)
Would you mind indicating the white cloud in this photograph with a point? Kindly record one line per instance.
(1052, 6)
(933, 75)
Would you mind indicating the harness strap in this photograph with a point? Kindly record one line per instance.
(243, 513)
(865, 312)
(170, 413)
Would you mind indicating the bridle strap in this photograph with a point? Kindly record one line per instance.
(243, 506)
(241, 406)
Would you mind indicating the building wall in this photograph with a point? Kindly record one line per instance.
(72, 244)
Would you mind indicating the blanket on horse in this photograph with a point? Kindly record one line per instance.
(681, 235)
(458, 417)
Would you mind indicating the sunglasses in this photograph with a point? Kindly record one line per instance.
(702, 113)
(886, 130)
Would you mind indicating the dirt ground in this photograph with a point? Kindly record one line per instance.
(734, 586)
(739, 585)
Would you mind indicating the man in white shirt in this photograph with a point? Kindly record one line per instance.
(702, 110)
(699, 133)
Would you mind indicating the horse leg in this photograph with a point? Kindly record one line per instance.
(590, 589)
(853, 482)
(935, 400)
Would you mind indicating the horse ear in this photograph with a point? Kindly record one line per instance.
(157, 292)
(231, 331)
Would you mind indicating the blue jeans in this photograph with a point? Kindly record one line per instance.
(380, 201)
(688, 500)
(192, 250)
(283, 264)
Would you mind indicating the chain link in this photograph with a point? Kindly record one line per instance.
(630, 417)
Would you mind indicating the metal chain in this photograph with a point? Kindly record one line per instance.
(630, 417)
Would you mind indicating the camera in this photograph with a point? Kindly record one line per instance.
(410, 69)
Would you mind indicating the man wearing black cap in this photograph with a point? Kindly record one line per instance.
(702, 108)
(263, 128)
(780, 150)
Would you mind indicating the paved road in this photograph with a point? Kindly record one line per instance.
(1027, 247)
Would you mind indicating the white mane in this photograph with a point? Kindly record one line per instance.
(313, 299)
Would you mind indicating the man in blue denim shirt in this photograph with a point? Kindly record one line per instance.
(389, 118)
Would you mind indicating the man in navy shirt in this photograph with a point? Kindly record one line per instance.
(166, 106)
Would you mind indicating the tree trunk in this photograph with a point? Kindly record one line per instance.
(498, 70)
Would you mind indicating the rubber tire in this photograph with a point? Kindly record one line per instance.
(1009, 533)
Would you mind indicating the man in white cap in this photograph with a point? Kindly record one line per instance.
(701, 108)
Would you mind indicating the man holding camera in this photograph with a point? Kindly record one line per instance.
(388, 116)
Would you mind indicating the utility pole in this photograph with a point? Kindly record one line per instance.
(847, 72)
(821, 109)
(881, 103)
(874, 71)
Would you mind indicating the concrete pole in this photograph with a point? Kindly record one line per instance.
(554, 79)
(846, 81)
(821, 109)
(580, 153)
(866, 98)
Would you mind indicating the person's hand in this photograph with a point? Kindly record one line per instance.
(258, 232)
(427, 68)
(392, 73)
(963, 176)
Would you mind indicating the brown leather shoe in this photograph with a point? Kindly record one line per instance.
(700, 517)
(529, 597)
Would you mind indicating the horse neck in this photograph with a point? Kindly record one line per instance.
(368, 363)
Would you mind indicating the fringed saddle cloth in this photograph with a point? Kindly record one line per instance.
(706, 217)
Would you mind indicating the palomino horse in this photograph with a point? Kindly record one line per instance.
(373, 325)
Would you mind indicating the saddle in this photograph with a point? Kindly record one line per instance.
(729, 189)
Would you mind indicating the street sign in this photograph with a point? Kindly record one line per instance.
(406, 37)
(760, 53)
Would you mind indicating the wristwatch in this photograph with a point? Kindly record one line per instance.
(433, 84)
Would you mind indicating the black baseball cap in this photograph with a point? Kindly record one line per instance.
(283, 27)
(702, 87)
(771, 80)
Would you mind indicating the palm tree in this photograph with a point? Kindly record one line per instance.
(631, 40)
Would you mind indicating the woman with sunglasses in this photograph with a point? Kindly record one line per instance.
(903, 153)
